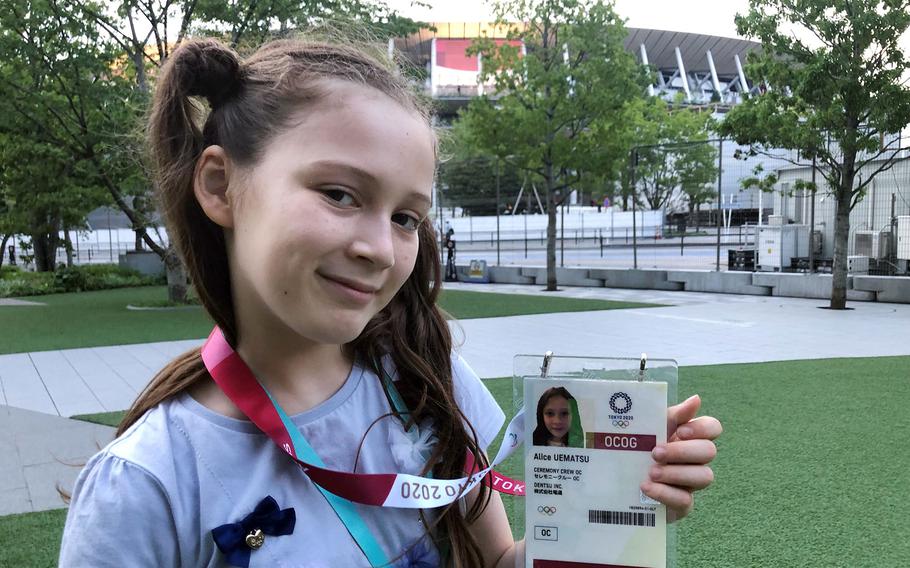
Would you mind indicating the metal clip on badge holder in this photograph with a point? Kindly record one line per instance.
(545, 368)
(548, 356)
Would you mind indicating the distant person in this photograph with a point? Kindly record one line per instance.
(451, 274)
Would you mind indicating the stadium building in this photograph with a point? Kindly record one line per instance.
(706, 71)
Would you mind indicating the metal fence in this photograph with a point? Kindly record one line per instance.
(101, 246)
(685, 216)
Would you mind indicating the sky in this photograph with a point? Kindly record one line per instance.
(712, 17)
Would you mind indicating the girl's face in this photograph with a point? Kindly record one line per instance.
(557, 417)
(325, 224)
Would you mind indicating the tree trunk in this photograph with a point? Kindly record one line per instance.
(176, 276)
(551, 238)
(3, 248)
(841, 242)
(68, 245)
(139, 234)
(45, 250)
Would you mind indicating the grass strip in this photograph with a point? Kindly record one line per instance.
(93, 319)
(31, 540)
(104, 418)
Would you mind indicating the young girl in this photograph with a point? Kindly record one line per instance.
(298, 195)
(554, 419)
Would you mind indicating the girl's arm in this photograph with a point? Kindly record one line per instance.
(493, 534)
(681, 468)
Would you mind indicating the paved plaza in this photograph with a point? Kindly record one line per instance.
(42, 448)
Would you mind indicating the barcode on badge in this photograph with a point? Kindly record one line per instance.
(622, 518)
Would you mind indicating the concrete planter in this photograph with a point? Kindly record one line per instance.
(145, 262)
(894, 289)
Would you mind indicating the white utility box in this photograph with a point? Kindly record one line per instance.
(857, 265)
(777, 245)
(873, 244)
(903, 237)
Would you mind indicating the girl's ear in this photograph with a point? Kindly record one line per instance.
(210, 184)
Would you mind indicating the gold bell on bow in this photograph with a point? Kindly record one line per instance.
(255, 539)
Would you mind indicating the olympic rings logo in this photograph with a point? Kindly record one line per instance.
(621, 423)
(621, 409)
(546, 510)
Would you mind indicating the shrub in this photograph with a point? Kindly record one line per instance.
(69, 278)
(76, 278)
(28, 284)
(7, 271)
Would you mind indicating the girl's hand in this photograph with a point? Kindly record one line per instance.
(681, 466)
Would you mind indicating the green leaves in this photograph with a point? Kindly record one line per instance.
(836, 91)
(555, 101)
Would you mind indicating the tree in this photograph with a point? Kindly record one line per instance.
(468, 178)
(43, 192)
(470, 183)
(836, 97)
(557, 101)
(55, 123)
(674, 159)
(697, 167)
(97, 63)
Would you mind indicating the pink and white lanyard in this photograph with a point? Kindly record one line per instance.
(237, 381)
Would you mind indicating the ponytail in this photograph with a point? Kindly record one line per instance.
(207, 69)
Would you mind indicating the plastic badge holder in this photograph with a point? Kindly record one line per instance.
(570, 517)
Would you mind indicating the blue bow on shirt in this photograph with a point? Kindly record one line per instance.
(267, 517)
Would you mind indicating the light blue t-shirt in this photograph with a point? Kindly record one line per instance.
(153, 495)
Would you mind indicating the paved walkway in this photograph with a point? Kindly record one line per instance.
(40, 389)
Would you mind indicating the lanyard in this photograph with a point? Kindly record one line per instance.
(340, 488)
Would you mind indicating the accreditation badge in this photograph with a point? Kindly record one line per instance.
(588, 451)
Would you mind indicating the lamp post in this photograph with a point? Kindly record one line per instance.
(498, 167)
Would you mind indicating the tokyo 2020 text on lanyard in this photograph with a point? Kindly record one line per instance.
(340, 488)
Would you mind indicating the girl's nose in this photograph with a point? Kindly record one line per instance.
(374, 241)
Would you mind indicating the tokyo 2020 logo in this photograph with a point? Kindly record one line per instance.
(626, 401)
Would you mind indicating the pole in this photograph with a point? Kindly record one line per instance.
(892, 245)
(527, 212)
(498, 166)
(110, 240)
(720, 163)
(562, 235)
(634, 223)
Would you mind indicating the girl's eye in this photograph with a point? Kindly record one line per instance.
(340, 196)
(406, 221)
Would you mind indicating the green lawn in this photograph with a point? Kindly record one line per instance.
(464, 304)
(811, 470)
(812, 467)
(91, 319)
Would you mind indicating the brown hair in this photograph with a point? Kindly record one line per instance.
(252, 101)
